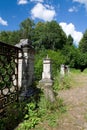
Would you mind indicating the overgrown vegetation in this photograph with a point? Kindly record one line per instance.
(31, 113)
(50, 112)
(13, 115)
(62, 83)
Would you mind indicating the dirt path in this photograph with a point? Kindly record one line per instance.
(76, 101)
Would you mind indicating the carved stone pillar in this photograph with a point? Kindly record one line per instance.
(25, 66)
(47, 82)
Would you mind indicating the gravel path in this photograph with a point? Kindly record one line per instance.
(76, 101)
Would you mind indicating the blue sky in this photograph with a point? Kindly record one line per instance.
(70, 14)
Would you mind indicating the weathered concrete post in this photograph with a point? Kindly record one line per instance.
(20, 70)
(47, 82)
(25, 66)
(46, 74)
(28, 67)
(64, 69)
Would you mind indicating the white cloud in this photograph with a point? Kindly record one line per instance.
(3, 22)
(73, 9)
(44, 12)
(49, 7)
(70, 29)
(37, 1)
(22, 2)
(84, 2)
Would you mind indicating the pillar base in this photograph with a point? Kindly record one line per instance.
(48, 82)
(46, 86)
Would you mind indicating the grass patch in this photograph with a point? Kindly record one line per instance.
(50, 112)
(61, 83)
(85, 71)
(45, 112)
(75, 71)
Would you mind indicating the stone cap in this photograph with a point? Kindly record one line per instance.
(47, 58)
(24, 43)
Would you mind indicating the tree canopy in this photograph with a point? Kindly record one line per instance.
(50, 36)
(83, 43)
(26, 28)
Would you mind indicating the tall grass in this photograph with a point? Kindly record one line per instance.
(61, 83)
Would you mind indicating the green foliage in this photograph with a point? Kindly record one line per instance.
(65, 83)
(61, 83)
(13, 115)
(83, 43)
(38, 67)
(74, 57)
(26, 28)
(56, 57)
(4, 36)
(85, 71)
(82, 61)
(71, 54)
(17, 112)
(75, 71)
(31, 117)
(50, 112)
(69, 40)
(31, 113)
(10, 37)
(49, 35)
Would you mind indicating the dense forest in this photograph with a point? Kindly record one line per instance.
(49, 38)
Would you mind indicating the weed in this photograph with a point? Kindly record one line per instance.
(31, 117)
(50, 112)
(61, 83)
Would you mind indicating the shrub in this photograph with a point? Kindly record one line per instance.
(56, 57)
(31, 118)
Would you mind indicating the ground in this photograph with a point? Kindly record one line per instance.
(75, 100)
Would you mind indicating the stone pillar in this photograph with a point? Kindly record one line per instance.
(47, 82)
(46, 74)
(62, 70)
(20, 70)
(25, 66)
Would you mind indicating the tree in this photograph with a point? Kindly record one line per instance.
(49, 35)
(10, 37)
(83, 43)
(14, 37)
(4, 36)
(69, 40)
(70, 53)
(74, 57)
(39, 35)
(26, 28)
